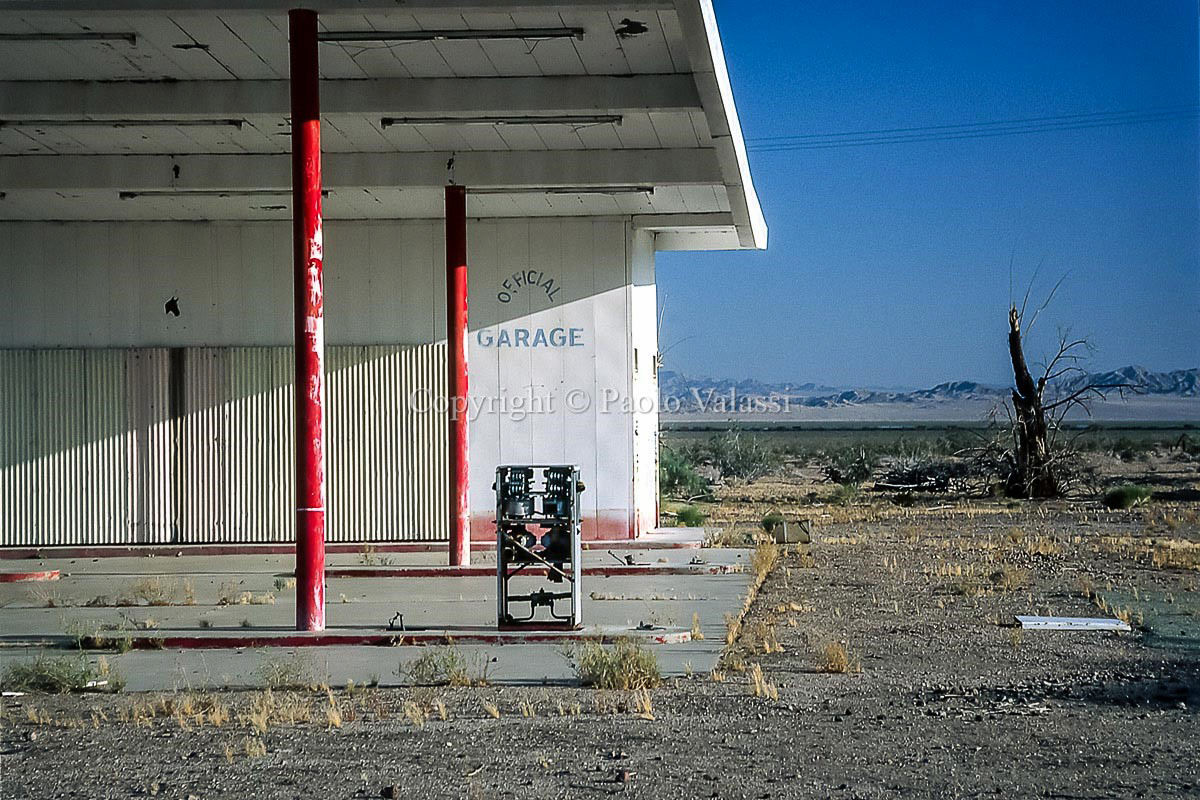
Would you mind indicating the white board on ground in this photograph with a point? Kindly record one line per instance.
(1072, 624)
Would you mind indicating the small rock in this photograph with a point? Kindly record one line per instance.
(623, 776)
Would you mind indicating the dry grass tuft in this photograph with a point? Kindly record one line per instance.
(491, 709)
(643, 706)
(415, 713)
(760, 637)
(760, 686)
(1010, 578)
(254, 747)
(836, 658)
(764, 558)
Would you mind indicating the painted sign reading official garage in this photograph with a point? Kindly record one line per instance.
(529, 279)
(537, 281)
(530, 337)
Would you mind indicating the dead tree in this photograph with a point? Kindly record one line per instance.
(1033, 470)
(1040, 466)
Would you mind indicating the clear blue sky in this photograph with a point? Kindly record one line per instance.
(888, 264)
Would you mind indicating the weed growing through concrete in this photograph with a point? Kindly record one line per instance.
(231, 594)
(60, 676)
(47, 598)
(725, 537)
(626, 665)
(445, 666)
(287, 672)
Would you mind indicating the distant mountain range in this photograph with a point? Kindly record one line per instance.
(1177, 383)
(708, 395)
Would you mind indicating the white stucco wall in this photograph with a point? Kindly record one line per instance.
(102, 286)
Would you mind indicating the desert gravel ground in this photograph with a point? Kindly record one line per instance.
(941, 697)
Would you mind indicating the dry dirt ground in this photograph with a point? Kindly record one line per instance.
(940, 697)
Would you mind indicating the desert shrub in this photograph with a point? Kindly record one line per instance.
(851, 466)
(627, 665)
(1186, 445)
(691, 516)
(739, 456)
(922, 474)
(1127, 496)
(677, 475)
(844, 495)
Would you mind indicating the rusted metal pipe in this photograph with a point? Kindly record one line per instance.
(456, 360)
(307, 258)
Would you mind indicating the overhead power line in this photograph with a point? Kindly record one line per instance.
(973, 130)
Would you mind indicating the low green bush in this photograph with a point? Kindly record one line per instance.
(677, 475)
(691, 516)
(772, 521)
(1127, 496)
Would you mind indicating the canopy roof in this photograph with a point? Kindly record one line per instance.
(162, 109)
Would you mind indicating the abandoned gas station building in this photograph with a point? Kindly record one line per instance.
(204, 206)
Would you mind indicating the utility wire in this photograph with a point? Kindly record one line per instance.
(935, 133)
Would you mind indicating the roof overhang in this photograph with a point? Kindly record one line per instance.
(144, 109)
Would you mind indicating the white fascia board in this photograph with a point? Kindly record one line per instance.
(707, 56)
(711, 231)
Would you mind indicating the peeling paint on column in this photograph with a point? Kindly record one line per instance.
(308, 257)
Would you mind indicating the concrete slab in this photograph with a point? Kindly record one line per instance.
(245, 604)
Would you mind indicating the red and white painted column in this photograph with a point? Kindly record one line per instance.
(456, 380)
(307, 257)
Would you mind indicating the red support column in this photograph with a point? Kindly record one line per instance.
(307, 257)
(456, 360)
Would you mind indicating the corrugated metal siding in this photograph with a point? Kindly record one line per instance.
(196, 445)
